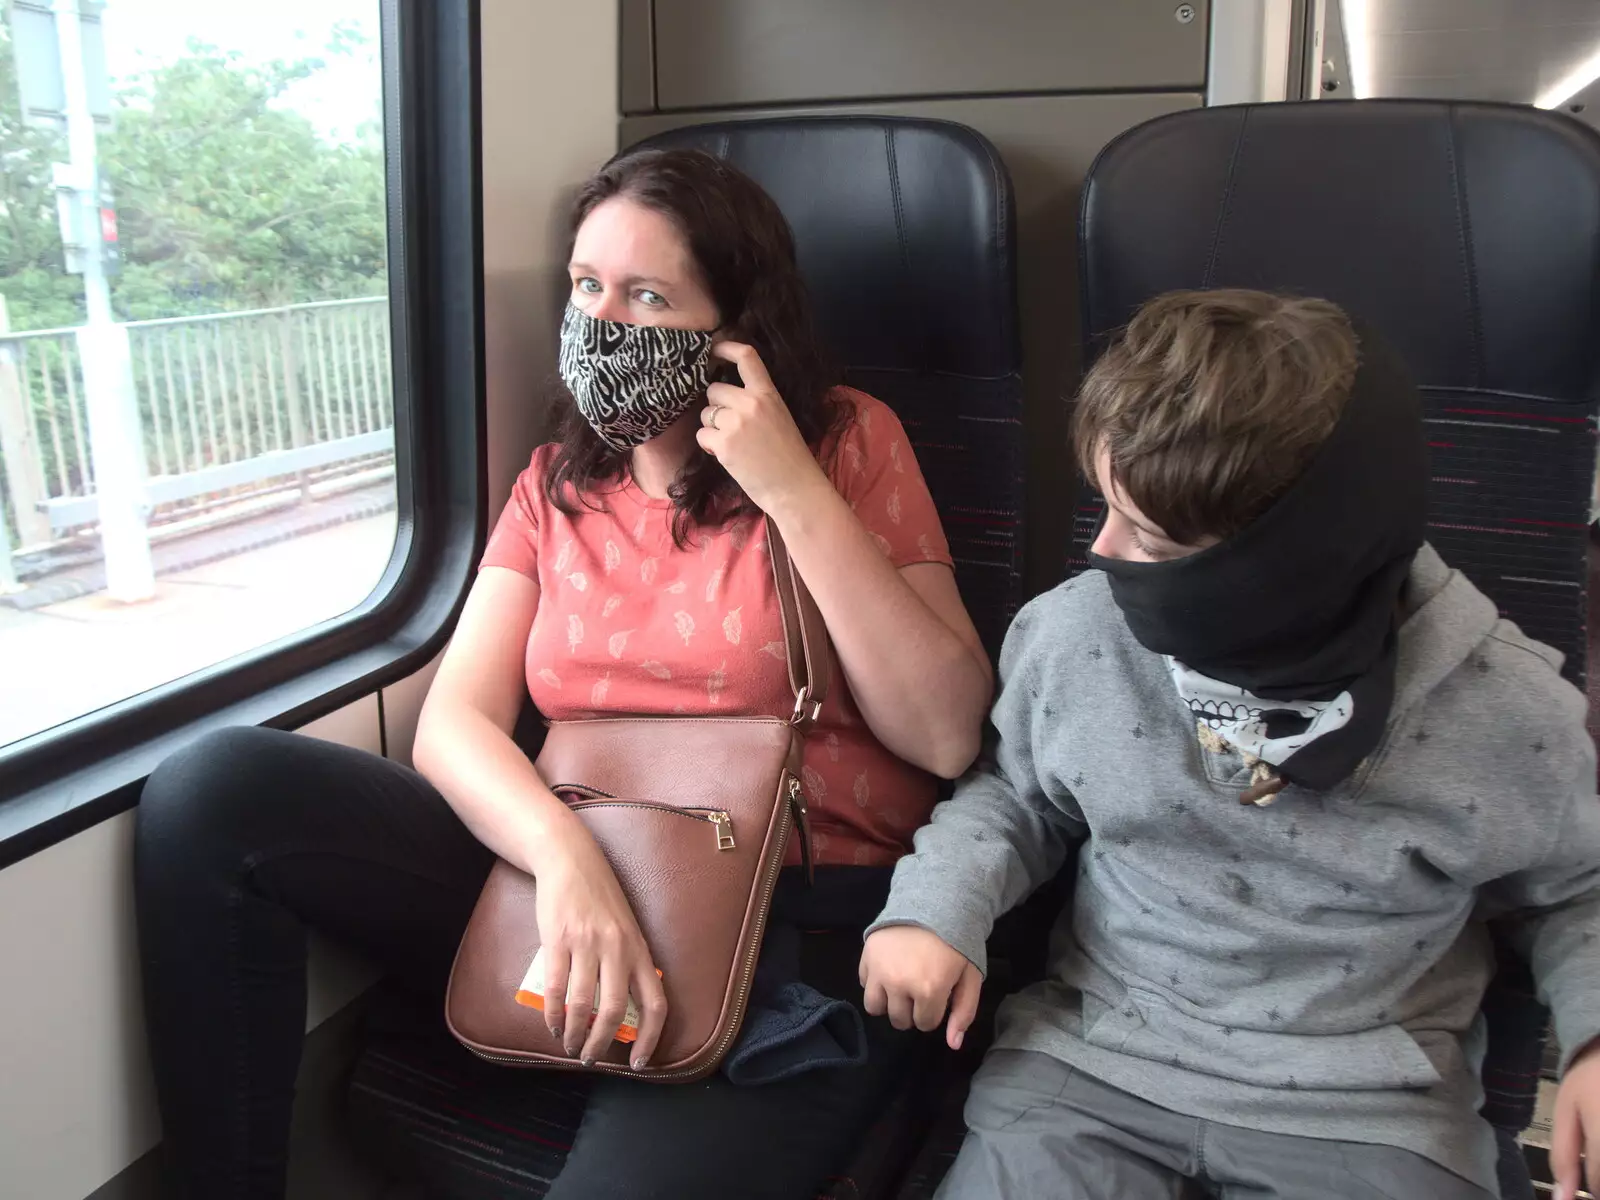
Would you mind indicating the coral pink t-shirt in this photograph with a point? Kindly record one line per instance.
(629, 623)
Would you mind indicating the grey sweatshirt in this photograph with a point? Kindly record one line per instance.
(1314, 967)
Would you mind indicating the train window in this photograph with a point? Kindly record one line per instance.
(197, 396)
(241, 375)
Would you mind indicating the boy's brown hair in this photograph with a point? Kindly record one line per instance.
(1212, 403)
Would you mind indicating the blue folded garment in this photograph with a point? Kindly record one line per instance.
(790, 1027)
(796, 1028)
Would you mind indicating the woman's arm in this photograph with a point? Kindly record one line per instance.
(464, 748)
(463, 743)
(913, 660)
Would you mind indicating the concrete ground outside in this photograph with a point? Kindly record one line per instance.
(62, 660)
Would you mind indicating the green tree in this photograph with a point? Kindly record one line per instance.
(227, 202)
(225, 198)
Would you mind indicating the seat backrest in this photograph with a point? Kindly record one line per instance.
(905, 234)
(1468, 234)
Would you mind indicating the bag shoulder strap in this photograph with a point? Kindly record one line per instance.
(805, 636)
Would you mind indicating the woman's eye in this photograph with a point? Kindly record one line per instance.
(651, 299)
(589, 285)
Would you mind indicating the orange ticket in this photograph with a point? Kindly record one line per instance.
(531, 995)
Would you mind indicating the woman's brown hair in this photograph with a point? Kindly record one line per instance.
(744, 250)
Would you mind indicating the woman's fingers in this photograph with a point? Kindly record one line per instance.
(748, 361)
(652, 1000)
(557, 970)
(581, 987)
(726, 395)
(613, 1007)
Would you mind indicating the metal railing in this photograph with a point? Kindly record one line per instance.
(226, 402)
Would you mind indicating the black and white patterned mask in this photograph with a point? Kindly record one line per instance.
(632, 381)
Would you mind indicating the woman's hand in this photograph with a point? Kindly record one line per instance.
(592, 944)
(750, 432)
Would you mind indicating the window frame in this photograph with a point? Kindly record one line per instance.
(63, 780)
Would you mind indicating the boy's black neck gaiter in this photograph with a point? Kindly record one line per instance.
(1303, 604)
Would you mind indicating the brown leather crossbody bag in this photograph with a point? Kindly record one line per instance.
(694, 814)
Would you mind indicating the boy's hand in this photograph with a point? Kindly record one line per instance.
(910, 974)
(1577, 1125)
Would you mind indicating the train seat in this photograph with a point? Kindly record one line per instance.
(905, 232)
(1469, 235)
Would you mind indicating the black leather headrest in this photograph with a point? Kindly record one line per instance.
(905, 234)
(904, 231)
(1468, 233)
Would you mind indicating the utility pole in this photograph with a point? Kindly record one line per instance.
(116, 435)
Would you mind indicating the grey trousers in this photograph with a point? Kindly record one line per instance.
(1038, 1129)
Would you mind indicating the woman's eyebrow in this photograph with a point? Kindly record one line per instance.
(631, 279)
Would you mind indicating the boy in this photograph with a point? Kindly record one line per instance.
(1305, 761)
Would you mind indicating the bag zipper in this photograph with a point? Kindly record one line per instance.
(769, 881)
(590, 797)
(747, 973)
(802, 821)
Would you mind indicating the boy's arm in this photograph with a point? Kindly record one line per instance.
(1550, 913)
(1006, 831)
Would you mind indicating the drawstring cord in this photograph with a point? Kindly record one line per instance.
(1265, 783)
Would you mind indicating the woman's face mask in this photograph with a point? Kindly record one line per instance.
(631, 382)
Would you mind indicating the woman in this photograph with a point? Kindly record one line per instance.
(627, 574)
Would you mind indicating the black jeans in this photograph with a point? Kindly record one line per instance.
(250, 837)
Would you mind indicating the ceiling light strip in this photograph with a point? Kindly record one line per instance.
(1586, 73)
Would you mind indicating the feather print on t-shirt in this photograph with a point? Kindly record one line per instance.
(629, 624)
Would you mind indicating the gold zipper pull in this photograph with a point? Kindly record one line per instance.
(723, 824)
(802, 824)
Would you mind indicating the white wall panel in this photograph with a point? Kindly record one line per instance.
(76, 1103)
(549, 119)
